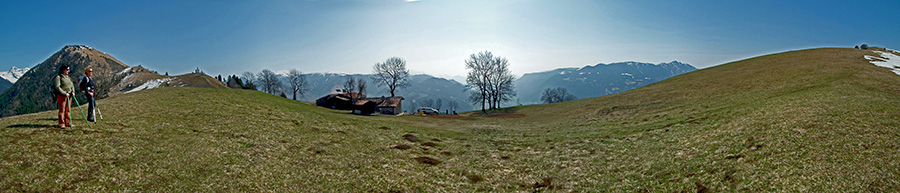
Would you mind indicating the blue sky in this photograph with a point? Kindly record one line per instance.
(434, 36)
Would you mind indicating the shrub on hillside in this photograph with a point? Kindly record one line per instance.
(556, 95)
(249, 86)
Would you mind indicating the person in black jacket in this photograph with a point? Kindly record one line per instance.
(87, 86)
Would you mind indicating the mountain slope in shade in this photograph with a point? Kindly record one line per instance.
(31, 92)
(597, 80)
(4, 84)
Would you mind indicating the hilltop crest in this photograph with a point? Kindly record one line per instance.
(29, 94)
(111, 77)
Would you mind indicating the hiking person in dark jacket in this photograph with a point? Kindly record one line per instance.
(64, 89)
(87, 86)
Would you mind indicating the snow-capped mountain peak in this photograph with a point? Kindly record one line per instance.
(13, 74)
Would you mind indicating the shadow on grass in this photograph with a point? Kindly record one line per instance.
(48, 119)
(29, 126)
(511, 112)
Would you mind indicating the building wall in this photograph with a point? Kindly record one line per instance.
(389, 111)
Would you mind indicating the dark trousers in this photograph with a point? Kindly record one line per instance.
(92, 103)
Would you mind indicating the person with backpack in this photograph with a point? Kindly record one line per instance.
(86, 85)
(64, 90)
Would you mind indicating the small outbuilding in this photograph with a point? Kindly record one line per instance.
(364, 107)
(388, 105)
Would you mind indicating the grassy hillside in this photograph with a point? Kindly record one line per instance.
(820, 120)
(199, 80)
(31, 93)
(813, 120)
(198, 139)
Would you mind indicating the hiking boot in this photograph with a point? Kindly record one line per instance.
(62, 127)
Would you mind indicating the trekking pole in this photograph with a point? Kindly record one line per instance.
(100, 114)
(82, 112)
(96, 107)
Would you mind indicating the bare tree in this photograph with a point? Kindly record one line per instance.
(297, 82)
(350, 88)
(490, 80)
(502, 88)
(361, 87)
(249, 78)
(349, 85)
(269, 82)
(556, 95)
(476, 79)
(392, 73)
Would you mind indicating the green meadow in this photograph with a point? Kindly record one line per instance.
(819, 120)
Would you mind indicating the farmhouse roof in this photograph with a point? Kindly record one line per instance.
(385, 101)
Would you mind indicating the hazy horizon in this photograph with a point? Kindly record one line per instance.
(434, 36)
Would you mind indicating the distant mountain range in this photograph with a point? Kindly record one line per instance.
(13, 74)
(586, 82)
(597, 80)
(7, 78)
(28, 94)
